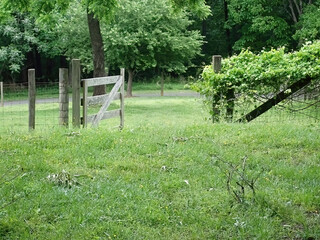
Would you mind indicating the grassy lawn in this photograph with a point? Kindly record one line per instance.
(162, 177)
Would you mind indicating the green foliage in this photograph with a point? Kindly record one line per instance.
(263, 73)
(45, 9)
(262, 24)
(198, 7)
(69, 36)
(214, 31)
(18, 36)
(102, 9)
(309, 24)
(147, 34)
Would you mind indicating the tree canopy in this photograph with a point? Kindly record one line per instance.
(74, 28)
(17, 39)
(147, 34)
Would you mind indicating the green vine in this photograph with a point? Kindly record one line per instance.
(249, 74)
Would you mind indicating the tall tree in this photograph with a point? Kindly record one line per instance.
(148, 34)
(296, 8)
(218, 37)
(97, 51)
(269, 24)
(308, 27)
(18, 42)
(261, 24)
(97, 10)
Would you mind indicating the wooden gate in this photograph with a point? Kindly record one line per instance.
(116, 93)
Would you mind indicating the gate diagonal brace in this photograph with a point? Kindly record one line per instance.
(107, 103)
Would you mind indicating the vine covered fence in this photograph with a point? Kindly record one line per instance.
(303, 106)
(264, 85)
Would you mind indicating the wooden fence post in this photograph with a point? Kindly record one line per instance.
(32, 98)
(1, 94)
(122, 73)
(76, 93)
(70, 75)
(63, 97)
(85, 104)
(216, 65)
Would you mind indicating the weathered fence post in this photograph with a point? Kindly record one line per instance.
(70, 74)
(63, 97)
(85, 104)
(122, 73)
(1, 94)
(216, 65)
(32, 98)
(76, 93)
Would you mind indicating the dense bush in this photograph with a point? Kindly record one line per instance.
(264, 73)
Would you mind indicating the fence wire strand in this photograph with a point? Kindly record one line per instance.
(302, 106)
(14, 113)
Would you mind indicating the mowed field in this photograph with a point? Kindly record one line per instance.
(169, 174)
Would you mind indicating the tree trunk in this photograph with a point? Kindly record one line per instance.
(63, 62)
(28, 64)
(293, 14)
(37, 63)
(130, 80)
(162, 83)
(228, 34)
(97, 51)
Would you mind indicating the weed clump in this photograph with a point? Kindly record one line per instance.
(239, 181)
(64, 179)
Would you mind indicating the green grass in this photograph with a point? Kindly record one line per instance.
(133, 183)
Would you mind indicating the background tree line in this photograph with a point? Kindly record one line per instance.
(146, 36)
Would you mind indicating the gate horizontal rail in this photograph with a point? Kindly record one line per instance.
(105, 100)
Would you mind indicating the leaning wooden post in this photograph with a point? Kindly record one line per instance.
(63, 97)
(216, 65)
(76, 93)
(1, 94)
(122, 73)
(32, 98)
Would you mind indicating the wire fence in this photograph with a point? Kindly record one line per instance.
(14, 114)
(301, 107)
